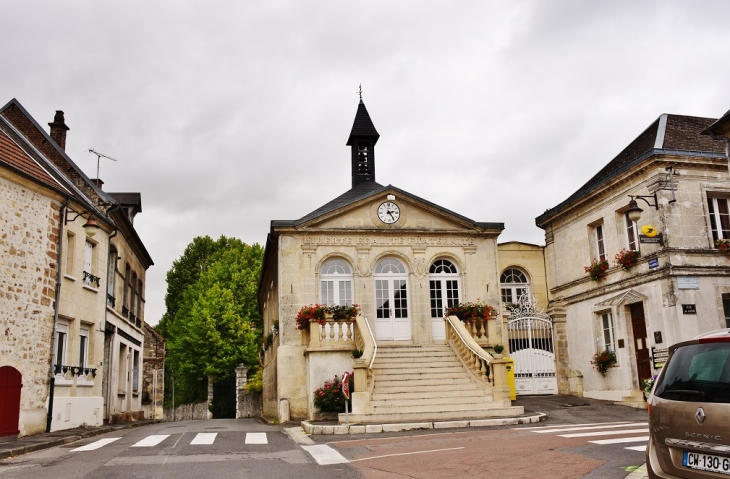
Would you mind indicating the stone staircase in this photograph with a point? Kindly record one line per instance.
(427, 383)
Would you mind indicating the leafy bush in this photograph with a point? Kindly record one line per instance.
(329, 398)
(255, 383)
(471, 311)
(317, 312)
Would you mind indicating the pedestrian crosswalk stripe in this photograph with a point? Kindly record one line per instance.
(637, 448)
(620, 440)
(153, 440)
(553, 426)
(587, 428)
(96, 444)
(604, 433)
(204, 438)
(325, 455)
(256, 438)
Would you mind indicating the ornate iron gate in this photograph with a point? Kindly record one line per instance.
(532, 349)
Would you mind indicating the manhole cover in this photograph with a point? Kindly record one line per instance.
(570, 404)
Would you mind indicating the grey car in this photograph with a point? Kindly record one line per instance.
(689, 411)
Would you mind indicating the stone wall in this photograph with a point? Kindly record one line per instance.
(188, 412)
(28, 247)
(153, 373)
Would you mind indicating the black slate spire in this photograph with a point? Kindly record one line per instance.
(362, 143)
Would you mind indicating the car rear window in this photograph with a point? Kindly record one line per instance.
(697, 372)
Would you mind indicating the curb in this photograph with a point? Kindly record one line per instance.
(341, 429)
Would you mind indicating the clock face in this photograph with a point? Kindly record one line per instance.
(388, 212)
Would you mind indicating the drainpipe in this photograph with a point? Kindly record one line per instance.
(51, 375)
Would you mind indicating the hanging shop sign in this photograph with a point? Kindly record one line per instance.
(649, 231)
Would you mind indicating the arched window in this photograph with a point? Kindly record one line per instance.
(514, 284)
(336, 283)
(443, 285)
(391, 300)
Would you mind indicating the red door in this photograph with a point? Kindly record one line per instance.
(10, 383)
(641, 350)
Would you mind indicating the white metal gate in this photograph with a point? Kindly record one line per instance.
(532, 349)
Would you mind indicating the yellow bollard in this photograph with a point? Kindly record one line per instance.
(510, 367)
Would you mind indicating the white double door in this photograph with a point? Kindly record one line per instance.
(392, 321)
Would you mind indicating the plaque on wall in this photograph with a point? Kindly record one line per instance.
(688, 282)
(689, 309)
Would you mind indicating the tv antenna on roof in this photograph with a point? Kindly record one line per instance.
(98, 157)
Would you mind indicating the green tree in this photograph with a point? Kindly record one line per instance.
(211, 332)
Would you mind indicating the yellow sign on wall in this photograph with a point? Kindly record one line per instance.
(649, 230)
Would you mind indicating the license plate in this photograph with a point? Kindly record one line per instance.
(706, 462)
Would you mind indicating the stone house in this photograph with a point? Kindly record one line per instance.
(85, 225)
(403, 260)
(675, 180)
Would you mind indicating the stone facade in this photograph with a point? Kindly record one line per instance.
(28, 264)
(676, 290)
(153, 385)
(364, 229)
(60, 229)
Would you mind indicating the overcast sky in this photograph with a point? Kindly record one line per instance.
(228, 114)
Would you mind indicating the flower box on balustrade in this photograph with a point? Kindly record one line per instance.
(479, 320)
(328, 328)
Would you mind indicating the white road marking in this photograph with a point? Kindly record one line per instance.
(325, 455)
(554, 426)
(595, 426)
(637, 448)
(407, 454)
(621, 440)
(256, 438)
(153, 440)
(96, 444)
(604, 433)
(204, 438)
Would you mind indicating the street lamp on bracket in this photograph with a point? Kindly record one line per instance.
(90, 226)
(634, 212)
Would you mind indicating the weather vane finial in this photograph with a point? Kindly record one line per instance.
(360, 91)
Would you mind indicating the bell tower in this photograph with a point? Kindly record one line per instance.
(362, 143)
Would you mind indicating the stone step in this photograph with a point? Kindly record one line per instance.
(422, 381)
(443, 402)
(472, 406)
(463, 391)
(415, 359)
(424, 388)
(453, 370)
(432, 415)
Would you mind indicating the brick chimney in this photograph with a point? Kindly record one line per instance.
(59, 129)
(98, 182)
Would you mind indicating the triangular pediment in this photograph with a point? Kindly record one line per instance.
(371, 211)
(627, 297)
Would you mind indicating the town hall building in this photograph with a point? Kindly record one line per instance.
(403, 260)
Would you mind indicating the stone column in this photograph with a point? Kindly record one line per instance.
(241, 381)
(209, 413)
(569, 381)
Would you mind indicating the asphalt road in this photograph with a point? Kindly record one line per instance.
(559, 447)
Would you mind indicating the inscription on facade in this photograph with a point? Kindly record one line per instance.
(387, 241)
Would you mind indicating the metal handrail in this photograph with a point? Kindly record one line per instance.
(481, 353)
(375, 344)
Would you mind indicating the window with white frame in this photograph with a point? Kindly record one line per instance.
(632, 234)
(726, 308)
(513, 284)
(89, 278)
(83, 347)
(70, 250)
(336, 283)
(61, 344)
(719, 218)
(443, 280)
(600, 246)
(607, 332)
(111, 274)
(135, 371)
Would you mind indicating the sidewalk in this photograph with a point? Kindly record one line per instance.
(11, 446)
